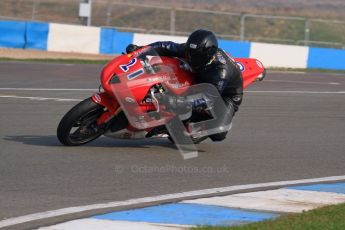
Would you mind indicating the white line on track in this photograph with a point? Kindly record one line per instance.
(334, 83)
(39, 98)
(162, 198)
(46, 89)
(305, 82)
(249, 91)
(291, 73)
(286, 72)
(298, 92)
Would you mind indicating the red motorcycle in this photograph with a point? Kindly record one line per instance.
(134, 81)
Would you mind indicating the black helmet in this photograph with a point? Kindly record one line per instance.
(201, 47)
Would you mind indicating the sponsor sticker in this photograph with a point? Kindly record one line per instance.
(97, 98)
(129, 100)
(193, 46)
(135, 74)
(221, 59)
(241, 66)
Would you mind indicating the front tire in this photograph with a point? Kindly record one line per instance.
(79, 125)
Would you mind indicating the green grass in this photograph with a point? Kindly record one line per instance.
(327, 218)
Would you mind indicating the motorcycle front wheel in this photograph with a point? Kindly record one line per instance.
(79, 125)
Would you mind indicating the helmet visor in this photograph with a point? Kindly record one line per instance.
(197, 58)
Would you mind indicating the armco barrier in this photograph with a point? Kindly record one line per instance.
(72, 38)
(236, 48)
(12, 34)
(114, 42)
(145, 39)
(81, 39)
(326, 58)
(273, 55)
(24, 35)
(37, 35)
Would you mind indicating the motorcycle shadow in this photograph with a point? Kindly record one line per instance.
(103, 142)
(37, 140)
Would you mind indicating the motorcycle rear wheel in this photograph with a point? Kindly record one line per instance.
(79, 125)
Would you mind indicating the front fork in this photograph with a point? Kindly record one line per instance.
(112, 107)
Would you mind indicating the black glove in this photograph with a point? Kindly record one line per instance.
(177, 104)
(131, 48)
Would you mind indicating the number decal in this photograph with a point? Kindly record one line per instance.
(125, 68)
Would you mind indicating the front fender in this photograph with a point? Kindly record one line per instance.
(109, 103)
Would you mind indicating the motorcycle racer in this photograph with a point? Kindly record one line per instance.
(210, 64)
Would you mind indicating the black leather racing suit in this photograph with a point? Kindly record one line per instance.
(222, 72)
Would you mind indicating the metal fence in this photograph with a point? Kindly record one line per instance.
(181, 21)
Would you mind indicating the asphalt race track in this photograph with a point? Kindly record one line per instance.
(290, 126)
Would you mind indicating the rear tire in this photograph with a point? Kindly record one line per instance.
(79, 126)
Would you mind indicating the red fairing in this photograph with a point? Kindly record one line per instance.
(251, 69)
(131, 73)
(131, 76)
(105, 100)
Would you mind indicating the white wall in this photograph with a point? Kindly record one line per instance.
(71, 38)
(287, 56)
(145, 39)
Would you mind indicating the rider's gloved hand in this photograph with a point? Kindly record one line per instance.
(131, 48)
(199, 105)
(177, 104)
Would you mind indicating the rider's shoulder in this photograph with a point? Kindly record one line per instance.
(224, 58)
